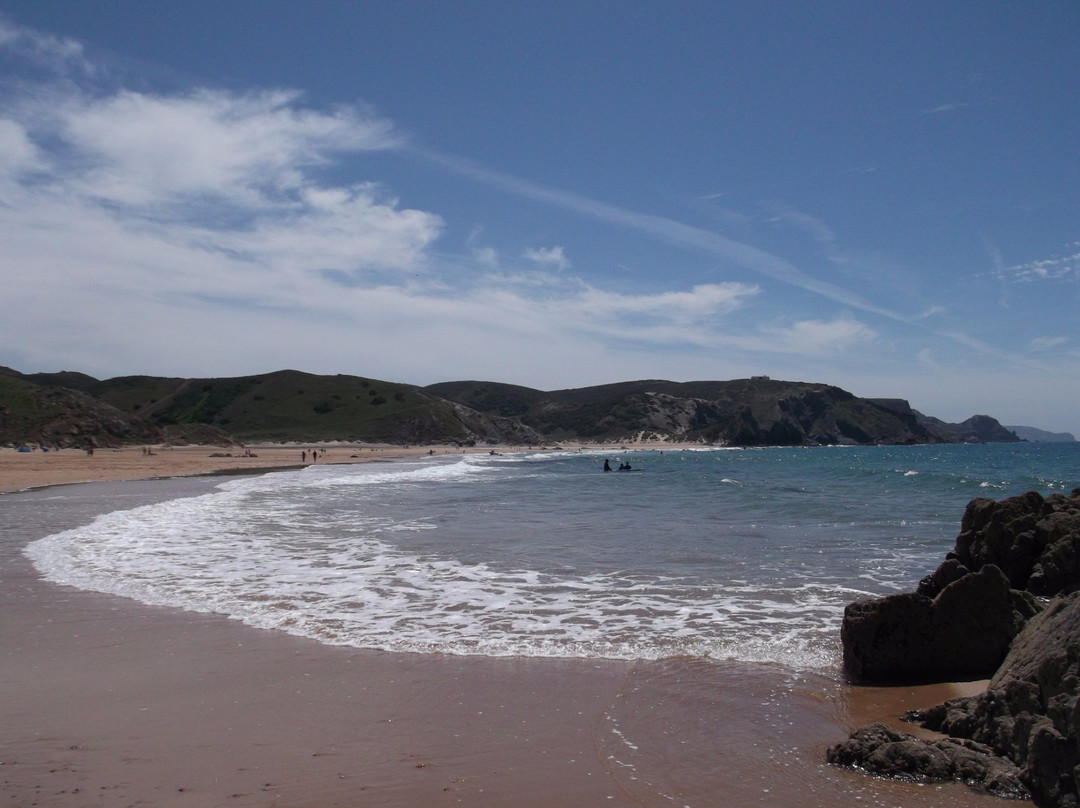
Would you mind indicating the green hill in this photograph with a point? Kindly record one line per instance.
(73, 409)
(293, 406)
(60, 416)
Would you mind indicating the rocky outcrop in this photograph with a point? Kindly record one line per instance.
(962, 634)
(976, 429)
(1029, 713)
(960, 621)
(1035, 541)
(480, 428)
(881, 750)
(1028, 720)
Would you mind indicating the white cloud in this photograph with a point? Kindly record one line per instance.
(700, 303)
(820, 232)
(687, 318)
(548, 256)
(138, 149)
(197, 194)
(818, 337)
(486, 256)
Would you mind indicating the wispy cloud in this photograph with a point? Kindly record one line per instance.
(927, 360)
(51, 53)
(694, 238)
(943, 108)
(1057, 267)
(193, 180)
(699, 304)
(1048, 343)
(669, 230)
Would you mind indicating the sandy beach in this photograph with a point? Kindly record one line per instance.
(22, 470)
(108, 702)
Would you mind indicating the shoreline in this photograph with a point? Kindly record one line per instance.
(108, 701)
(25, 471)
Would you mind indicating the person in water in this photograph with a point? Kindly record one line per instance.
(607, 465)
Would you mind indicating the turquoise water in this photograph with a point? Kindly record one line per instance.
(744, 555)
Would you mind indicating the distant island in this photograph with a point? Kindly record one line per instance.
(71, 409)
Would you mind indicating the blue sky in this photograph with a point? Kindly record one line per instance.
(881, 196)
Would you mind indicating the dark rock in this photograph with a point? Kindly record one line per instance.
(1035, 541)
(950, 570)
(1058, 532)
(881, 750)
(963, 633)
(953, 627)
(878, 635)
(1030, 713)
(1001, 533)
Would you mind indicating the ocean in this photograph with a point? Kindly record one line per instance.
(720, 576)
(745, 554)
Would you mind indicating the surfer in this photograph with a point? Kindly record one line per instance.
(607, 465)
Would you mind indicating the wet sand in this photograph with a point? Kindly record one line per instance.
(107, 702)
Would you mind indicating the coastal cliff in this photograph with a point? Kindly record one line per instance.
(1004, 605)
